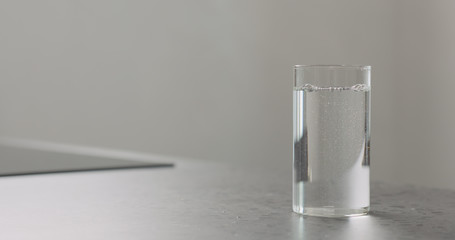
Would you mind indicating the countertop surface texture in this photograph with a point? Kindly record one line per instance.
(205, 200)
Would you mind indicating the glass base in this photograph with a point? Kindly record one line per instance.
(332, 212)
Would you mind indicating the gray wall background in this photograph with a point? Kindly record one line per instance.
(213, 79)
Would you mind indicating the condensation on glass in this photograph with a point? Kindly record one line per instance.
(331, 154)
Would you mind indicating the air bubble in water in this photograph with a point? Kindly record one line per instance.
(359, 87)
(356, 88)
(309, 88)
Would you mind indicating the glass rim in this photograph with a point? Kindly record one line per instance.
(334, 66)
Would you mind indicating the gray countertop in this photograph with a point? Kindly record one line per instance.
(202, 200)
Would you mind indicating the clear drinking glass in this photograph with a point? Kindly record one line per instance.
(331, 174)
